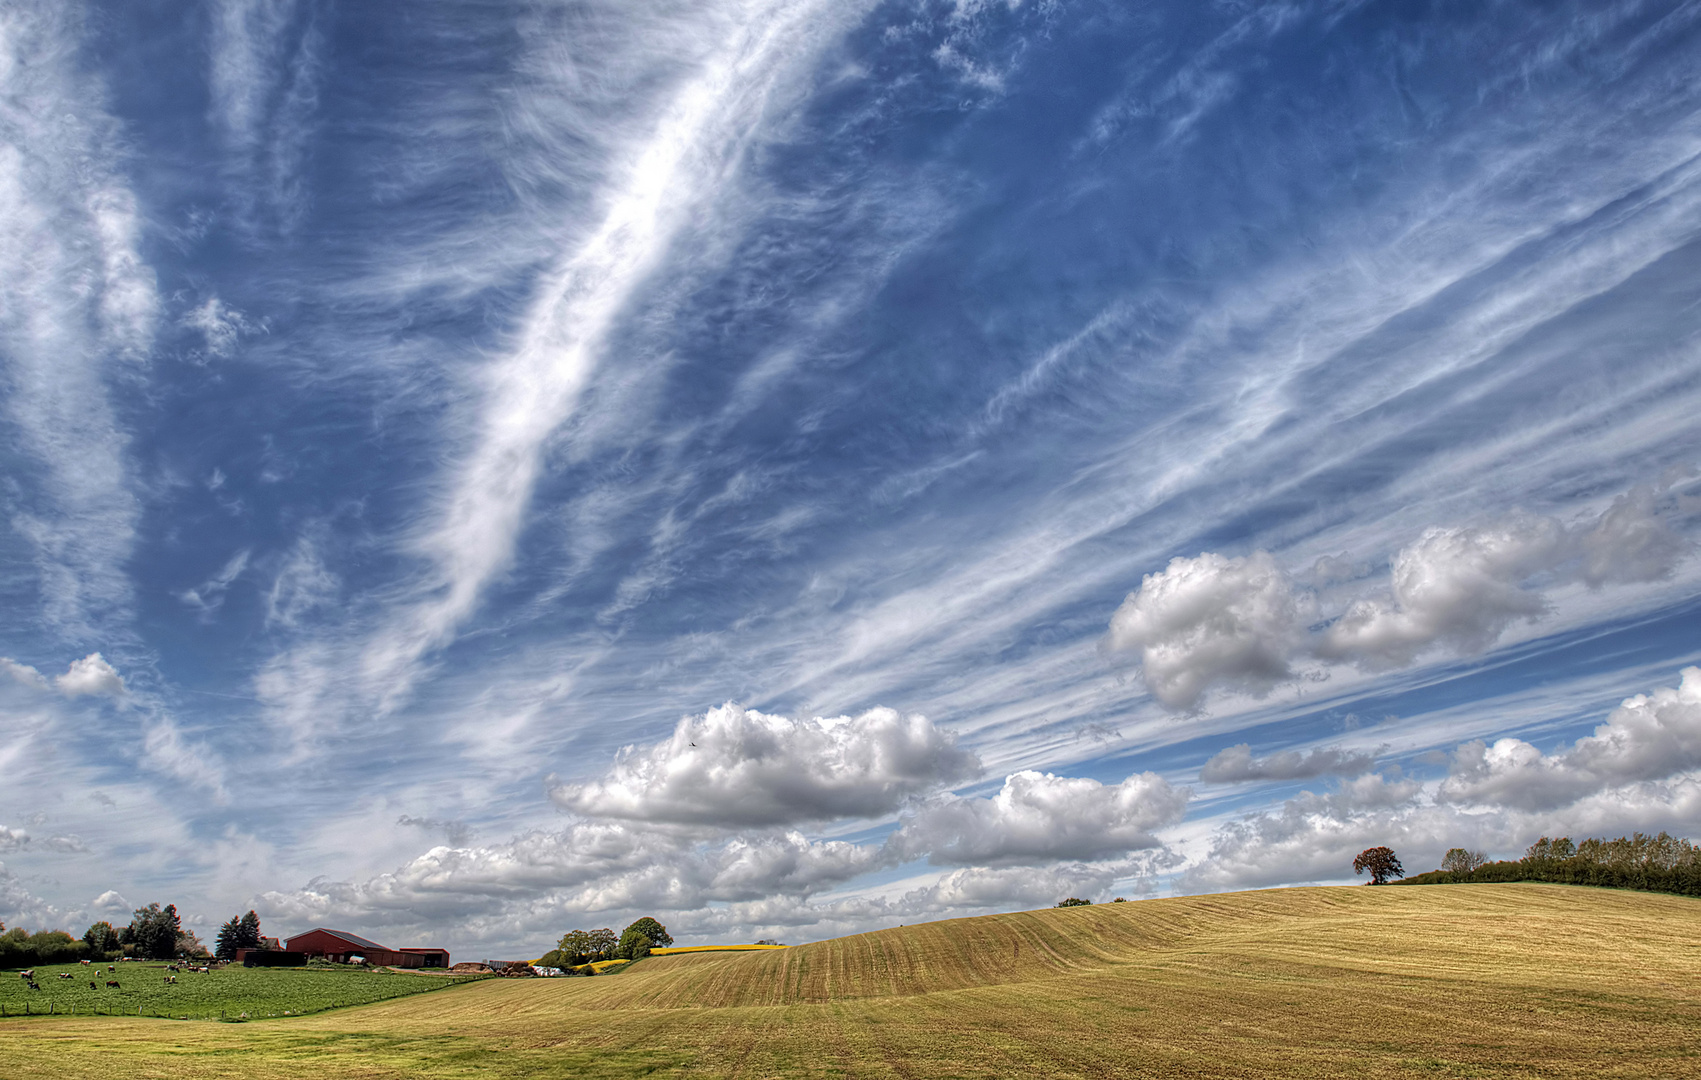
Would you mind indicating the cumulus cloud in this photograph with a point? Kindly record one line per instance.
(23, 673)
(1235, 764)
(1640, 770)
(111, 903)
(1212, 620)
(1648, 737)
(20, 907)
(739, 767)
(1457, 586)
(589, 866)
(13, 839)
(69, 844)
(1242, 623)
(91, 676)
(1037, 817)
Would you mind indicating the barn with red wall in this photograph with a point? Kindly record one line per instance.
(340, 946)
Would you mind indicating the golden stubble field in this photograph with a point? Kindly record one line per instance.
(1438, 981)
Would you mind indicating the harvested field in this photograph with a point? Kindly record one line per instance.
(1472, 980)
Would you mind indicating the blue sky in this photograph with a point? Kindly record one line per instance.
(478, 469)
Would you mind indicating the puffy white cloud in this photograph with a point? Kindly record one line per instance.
(91, 676)
(1648, 737)
(1629, 542)
(20, 907)
(111, 903)
(1314, 837)
(587, 867)
(1037, 817)
(23, 673)
(13, 839)
(1235, 764)
(1212, 620)
(739, 767)
(1455, 586)
(1242, 623)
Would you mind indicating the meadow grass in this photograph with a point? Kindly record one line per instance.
(227, 992)
(1447, 981)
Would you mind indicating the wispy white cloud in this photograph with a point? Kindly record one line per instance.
(1235, 764)
(79, 300)
(208, 596)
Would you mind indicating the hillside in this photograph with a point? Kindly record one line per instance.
(1476, 980)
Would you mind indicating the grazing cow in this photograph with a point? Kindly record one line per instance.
(92, 985)
(113, 983)
(66, 975)
(27, 975)
(85, 963)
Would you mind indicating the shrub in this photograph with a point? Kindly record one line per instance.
(1074, 901)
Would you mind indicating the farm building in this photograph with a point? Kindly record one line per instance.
(342, 947)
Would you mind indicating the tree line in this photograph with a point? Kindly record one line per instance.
(1661, 863)
(154, 933)
(580, 947)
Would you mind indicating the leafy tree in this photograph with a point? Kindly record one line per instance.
(190, 945)
(1382, 863)
(1074, 901)
(603, 943)
(582, 946)
(153, 931)
(633, 945)
(1460, 862)
(101, 938)
(655, 931)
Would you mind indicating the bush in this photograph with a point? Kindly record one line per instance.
(1074, 901)
(21, 949)
(1648, 863)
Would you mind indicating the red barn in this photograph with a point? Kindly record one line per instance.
(340, 946)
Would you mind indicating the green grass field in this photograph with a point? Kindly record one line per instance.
(1445, 981)
(221, 993)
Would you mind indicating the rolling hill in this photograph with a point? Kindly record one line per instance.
(1474, 980)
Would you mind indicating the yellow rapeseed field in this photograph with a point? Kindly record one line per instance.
(1439, 981)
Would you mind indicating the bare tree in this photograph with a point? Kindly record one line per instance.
(1460, 862)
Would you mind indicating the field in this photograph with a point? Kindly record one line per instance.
(225, 993)
(1444, 981)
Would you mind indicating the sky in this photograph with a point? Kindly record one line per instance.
(475, 469)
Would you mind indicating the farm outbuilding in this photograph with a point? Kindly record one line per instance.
(343, 947)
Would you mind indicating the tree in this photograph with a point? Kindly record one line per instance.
(1382, 864)
(1460, 862)
(101, 938)
(1074, 901)
(633, 945)
(228, 940)
(638, 939)
(153, 932)
(603, 943)
(248, 931)
(655, 931)
(189, 945)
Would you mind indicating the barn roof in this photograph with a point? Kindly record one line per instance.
(353, 939)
